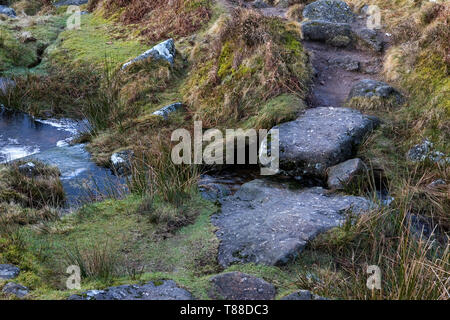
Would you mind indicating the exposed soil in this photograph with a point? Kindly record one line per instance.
(332, 81)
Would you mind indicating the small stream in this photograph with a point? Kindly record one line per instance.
(23, 137)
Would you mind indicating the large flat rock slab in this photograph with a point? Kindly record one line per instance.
(268, 223)
(319, 139)
(168, 290)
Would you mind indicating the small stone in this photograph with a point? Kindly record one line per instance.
(28, 169)
(437, 184)
(167, 110)
(164, 50)
(8, 271)
(7, 11)
(342, 174)
(425, 151)
(121, 161)
(18, 290)
(240, 286)
(368, 88)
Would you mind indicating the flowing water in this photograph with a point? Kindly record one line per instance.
(23, 137)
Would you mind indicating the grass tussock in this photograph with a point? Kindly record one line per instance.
(249, 60)
(160, 19)
(38, 190)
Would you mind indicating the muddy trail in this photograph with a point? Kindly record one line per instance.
(336, 70)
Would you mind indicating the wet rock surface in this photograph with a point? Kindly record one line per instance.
(168, 290)
(268, 223)
(121, 161)
(321, 138)
(8, 271)
(240, 286)
(16, 289)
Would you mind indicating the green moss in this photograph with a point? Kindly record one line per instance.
(92, 43)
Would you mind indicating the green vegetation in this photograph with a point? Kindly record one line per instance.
(240, 70)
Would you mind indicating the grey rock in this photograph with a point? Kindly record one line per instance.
(167, 110)
(8, 271)
(7, 11)
(28, 169)
(6, 84)
(343, 173)
(164, 50)
(70, 3)
(259, 4)
(368, 88)
(437, 184)
(121, 161)
(168, 290)
(319, 139)
(302, 295)
(334, 34)
(346, 63)
(426, 152)
(268, 223)
(240, 286)
(329, 10)
(18, 290)
(211, 191)
(368, 38)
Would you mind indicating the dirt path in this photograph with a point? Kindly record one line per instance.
(336, 69)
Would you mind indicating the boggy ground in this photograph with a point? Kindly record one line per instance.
(165, 228)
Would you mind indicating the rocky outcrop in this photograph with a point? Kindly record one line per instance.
(329, 10)
(426, 152)
(162, 51)
(168, 290)
(303, 295)
(269, 223)
(344, 62)
(344, 173)
(4, 10)
(319, 139)
(8, 271)
(15, 289)
(240, 286)
(167, 110)
(70, 3)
